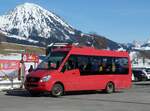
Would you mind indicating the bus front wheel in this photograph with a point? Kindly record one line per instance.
(110, 88)
(57, 90)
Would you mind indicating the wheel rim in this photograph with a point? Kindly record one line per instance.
(110, 88)
(57, 90)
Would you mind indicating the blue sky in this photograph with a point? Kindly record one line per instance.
(119, 20)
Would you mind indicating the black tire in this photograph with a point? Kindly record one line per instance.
(57, 90)
(110, 88)
(34, 94)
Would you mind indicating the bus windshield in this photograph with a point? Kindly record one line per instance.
(52, 61)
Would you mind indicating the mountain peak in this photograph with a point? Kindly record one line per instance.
(30, 19)
(29, 6)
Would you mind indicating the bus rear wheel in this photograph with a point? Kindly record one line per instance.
(110, 88)
(57, 90)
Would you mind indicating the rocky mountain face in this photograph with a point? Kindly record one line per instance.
(33, 25)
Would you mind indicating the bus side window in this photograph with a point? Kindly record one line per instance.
(113, 67)
(70, 64)
(100, 65)
(121, 66)
(88, 67)
(83, 65)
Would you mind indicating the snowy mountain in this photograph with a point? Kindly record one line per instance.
(30, 19)
(146, 45)
(137, 46)
(138, 50)
(33, 25)
(141, 46)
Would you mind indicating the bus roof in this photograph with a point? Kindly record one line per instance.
(97, 52)
(83, 50)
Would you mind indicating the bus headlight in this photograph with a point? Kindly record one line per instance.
(45, 78)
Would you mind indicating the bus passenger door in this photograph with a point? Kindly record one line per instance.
(71, 74)
(71, 79)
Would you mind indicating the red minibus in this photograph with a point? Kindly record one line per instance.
(72, 68)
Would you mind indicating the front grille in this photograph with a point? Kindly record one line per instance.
(32, 79)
